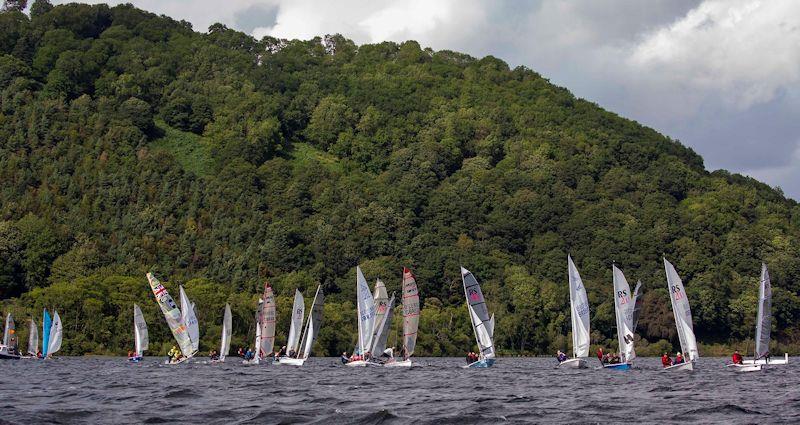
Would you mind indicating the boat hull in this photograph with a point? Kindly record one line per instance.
(784, 360)
(399, 363)
(357, 363)
(480, 364)
(576, 363)
(135, 359)
(5, 354)
(181, 361)
(617, 366)
(681, 366)
(289, 361)
(740, 368)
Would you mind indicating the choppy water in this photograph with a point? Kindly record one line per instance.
(109, 390)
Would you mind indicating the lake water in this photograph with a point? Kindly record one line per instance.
(516, 390)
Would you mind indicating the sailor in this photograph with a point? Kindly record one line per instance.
(679, 358)
(666, 361)
(344, 358)
(737, 358)
(561, 356)
(174, 353)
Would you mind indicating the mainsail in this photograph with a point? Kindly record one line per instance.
(313, 324)
(259, 321)
(379, 345)
(46, 322)
(142, 340)
(225, 339)
(381, 305)
(189, 319)
(268, 312)
(172, 314)
(410, 313)
(579, 311)
(33, 339)
(56, 333)
(623, 306)
(637, 303)
(764, 319)
(682, 312)
(10, 335)
(296, 327)
(482, 324)
(366, 312)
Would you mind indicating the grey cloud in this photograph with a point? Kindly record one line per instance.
(255, 16)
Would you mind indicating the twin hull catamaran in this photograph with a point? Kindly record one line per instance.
(299, 345)
(683, 319)
(176, 320)
(579, 313)
(482, 323)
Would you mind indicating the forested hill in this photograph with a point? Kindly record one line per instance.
(131, 143)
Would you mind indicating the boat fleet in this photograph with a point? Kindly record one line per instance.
(375, 310)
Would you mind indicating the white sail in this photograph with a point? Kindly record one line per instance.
(381, 305)
(268, 317)
(313, 324)
(141, 338)
(225, 339)
(579, 311)
(479, 314)
(366, 312)
(764, 319)
(623, 306)
(33, 339)
(298, 314)
(682, 312)
(410, 313)
(189, 319)
(56, 335)
(382, 336)
(259, 321)
(172, 314)
(9, 329)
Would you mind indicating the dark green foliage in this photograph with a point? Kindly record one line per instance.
(130, 143)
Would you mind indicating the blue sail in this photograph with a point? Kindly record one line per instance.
(46, 322)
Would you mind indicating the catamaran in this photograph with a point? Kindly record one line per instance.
(366, 319)
(175, 319)
(579, 312)
(623, 308)
(140, 336)
(410, 320)
(683, 319)
(482, 324)
(52, 334)
(265, 326)
(310, 332)
(9, 349)
(761, 356)
(225, 338)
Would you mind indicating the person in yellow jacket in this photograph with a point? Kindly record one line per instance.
(174, 354)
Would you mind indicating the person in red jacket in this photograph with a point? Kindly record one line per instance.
(666, 361)
(737, 358)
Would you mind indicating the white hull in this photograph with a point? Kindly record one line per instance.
(289, 361)
(744, 367)
(6, 354)
(576, 363)
(681, 366)
(399, 363)
(784, 360)
(181, 361)
(357, 363)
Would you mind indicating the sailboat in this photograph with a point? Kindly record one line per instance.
(482, 324)
(55, 335)
(366, 318)
(265, 326)
(296, 326)
(33, 341)
(175, 319)
(410, 320)
(311, 330)
(579, 313)
(761, 355)
(9, 349)
(683, 319)
(140, 336)
(189, 318)
(381, 336)
(623, 308)
(225, 338)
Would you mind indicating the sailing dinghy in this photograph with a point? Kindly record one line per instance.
(310, 332)
(683, 319)
(410, 320)
(265, 326)
(623, 308)
(366, 318)
(381, 336)
(33, 341)
(55, 334)
(174, 318)
(225, 339)
(482, 323)
(140, 336)
(9, 350)
(579, 313)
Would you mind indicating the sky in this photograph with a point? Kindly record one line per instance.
(721, 76)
